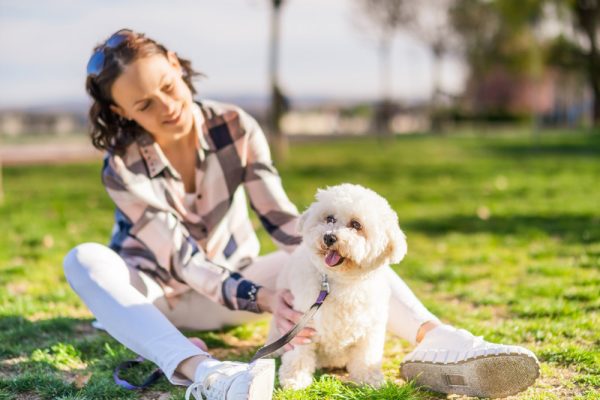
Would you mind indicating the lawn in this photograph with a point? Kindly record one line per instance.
(504, 240)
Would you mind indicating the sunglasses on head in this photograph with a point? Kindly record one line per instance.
(96, 63)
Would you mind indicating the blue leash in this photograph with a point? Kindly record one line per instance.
(153, 377)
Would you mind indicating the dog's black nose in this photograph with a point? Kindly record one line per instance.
(329, 239)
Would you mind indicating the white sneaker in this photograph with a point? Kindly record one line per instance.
(235, 381)
(451, 360)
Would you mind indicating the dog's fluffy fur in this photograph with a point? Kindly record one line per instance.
(351, 324)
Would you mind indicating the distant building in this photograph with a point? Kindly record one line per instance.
(554, 97)
(337, 121)
(17, 123)
(323, 122)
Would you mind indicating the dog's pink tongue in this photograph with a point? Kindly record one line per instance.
(332, 258)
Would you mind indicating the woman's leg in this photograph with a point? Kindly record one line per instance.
(121, 299)
(407, 314)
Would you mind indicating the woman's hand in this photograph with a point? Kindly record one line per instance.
(280, 303)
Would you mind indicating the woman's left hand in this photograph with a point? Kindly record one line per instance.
(284, 316)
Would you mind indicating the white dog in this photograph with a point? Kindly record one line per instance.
(351, 234)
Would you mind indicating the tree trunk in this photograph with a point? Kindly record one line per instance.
(594, 77)
(594, 71)
(279, 141)
(596, 102)
(1, 184)
(434, 106)
(588, 14)
(384, 110)
(385, 68)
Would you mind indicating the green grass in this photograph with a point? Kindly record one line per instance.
(504, 240)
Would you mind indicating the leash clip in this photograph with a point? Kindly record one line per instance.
(324, 283)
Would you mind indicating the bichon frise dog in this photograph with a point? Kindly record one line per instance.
(351, 234)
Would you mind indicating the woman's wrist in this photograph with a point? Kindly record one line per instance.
(264, 299)
(240, 294)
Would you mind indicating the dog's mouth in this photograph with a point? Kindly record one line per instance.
(333, 258)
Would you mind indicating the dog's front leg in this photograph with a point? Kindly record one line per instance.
(297, 367)
(365, 359)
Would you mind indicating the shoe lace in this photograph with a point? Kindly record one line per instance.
(197, 389)
(213, 390)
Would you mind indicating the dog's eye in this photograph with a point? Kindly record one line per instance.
(355, 225)
(330, 219)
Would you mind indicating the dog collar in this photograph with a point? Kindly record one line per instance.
(324, 289)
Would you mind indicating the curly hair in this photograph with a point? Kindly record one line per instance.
(108, 130)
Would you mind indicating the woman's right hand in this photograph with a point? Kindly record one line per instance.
(285, 318)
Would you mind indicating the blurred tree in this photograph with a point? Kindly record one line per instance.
(429, 22)
(384, 18)
(499, 37)
(1, 185)
(579, 51)
(278, 99)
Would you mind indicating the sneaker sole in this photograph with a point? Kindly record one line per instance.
(486, 376)
(263, 383)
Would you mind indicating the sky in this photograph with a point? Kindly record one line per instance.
(45, 46)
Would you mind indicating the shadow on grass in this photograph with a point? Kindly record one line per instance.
(587, 145)
(568, 227)
(69, 359)
(19, 335)
(58, 357)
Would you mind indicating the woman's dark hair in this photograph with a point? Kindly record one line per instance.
(109, 131)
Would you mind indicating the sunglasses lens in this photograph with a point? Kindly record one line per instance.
(96, 63)
(115, 40)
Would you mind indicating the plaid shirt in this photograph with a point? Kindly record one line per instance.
(203, 245)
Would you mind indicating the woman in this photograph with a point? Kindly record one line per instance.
(183, 253)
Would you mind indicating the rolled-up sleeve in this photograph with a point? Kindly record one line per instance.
(262, 183)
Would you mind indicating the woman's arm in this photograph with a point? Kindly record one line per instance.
(263, 185)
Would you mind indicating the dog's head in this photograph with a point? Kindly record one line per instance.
(351, 230)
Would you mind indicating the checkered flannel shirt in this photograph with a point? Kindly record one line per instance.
(200, 247)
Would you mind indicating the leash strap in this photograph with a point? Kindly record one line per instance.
(156, 374)
(285, 339)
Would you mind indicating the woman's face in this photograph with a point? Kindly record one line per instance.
(151, 91)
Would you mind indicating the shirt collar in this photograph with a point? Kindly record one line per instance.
(200, 125)
(155, 159)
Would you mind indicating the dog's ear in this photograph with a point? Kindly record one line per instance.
(302, 219)
(396, 242)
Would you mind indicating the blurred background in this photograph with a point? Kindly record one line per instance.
(314, 68)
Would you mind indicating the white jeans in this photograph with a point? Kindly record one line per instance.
(132, 308)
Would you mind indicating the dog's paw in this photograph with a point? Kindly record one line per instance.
(296, 382)
(371, 377)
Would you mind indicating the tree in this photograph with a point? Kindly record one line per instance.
(499, 36)
(430, 24)
(574, 53)
(278, 100)
(384, 18)
(1, 185)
